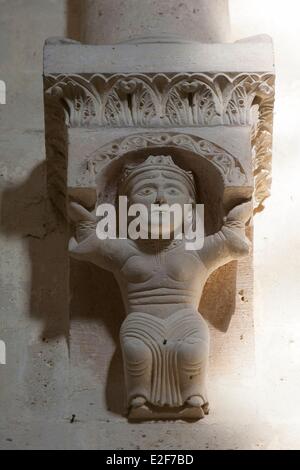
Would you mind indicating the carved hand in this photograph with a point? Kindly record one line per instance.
(234, 229)
(86, 246)
(230, 242)
(79, 213)
(241, 213)
(84, 220)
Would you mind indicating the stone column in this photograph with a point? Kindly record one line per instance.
(143, 86)
(114, 21)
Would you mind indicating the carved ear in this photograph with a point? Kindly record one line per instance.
(242, 212)
(78, 213)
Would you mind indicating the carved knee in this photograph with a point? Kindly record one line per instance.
(135, 351)
(193, 353)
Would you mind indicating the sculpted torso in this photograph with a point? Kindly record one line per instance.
(163, 280)
(164, 338)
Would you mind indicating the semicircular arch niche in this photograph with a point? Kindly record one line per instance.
(220, 179)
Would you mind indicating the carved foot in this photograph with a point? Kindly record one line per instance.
(137, 402)
(196, 401)
(146, 412)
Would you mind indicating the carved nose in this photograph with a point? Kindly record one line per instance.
(160, 199)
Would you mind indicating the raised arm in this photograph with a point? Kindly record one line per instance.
(230, 243)
(86, 246)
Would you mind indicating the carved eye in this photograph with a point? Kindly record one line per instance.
(173, 191)
(145, 191)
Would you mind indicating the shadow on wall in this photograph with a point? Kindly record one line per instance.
(95, 299)
(75, 11)
(218, 300)
(25, 213)
(97, 312)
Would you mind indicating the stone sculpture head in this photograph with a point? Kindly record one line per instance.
(158, 180)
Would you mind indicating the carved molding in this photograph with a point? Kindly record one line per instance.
(175, 100)
(232, 172)
(262, 167)
(56, 139)
(184, 99)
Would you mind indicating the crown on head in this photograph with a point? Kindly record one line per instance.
(156, 162)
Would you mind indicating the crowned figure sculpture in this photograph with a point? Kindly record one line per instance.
(164, 338)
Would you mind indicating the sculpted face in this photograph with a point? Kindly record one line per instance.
(163, 188)
(158, 187)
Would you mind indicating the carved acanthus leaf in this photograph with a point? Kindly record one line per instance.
(160, 99)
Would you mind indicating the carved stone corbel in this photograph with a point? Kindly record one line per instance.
(208, 113)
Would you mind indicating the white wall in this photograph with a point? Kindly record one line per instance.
(277, 229)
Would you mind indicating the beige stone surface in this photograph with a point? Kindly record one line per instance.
(254, 55)
(33, 315)
(33, 391)
(277, 230)
(112, 21)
